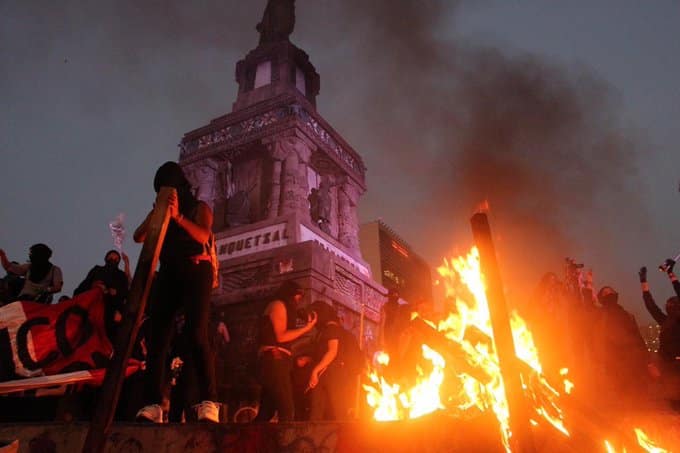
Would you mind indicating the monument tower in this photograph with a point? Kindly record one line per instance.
(284, 187)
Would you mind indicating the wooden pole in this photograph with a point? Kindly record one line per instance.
(129, 327)
(357, 399)
(521, 439)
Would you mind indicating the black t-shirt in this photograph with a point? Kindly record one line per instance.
(112, 278)
(327, 333)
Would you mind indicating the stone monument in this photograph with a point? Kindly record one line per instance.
(264, 168)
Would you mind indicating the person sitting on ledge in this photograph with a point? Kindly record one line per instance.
(43, 279)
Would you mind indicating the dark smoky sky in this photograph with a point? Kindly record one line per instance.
(564, 117)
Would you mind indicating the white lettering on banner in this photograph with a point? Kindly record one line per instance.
(12, 317)
(308, 235)
(266, 238)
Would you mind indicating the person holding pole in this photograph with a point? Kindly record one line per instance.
(184, 281)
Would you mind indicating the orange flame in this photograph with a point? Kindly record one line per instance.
(469, 327)
(647, 443)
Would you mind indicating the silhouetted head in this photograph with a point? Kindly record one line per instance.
(673, 307)
(607, 296)
(289, 292)
(324, 312)
(112, 258)
(39, 253)
(170, 174)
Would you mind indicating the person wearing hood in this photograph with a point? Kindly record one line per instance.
(115, 284)
(43, 279)
(184, 281)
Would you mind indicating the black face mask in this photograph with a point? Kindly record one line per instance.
(609, 299)
(111, 263)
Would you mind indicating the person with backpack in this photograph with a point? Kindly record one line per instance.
(184, 280)
(339, 360)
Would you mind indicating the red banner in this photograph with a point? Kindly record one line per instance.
(38, 339)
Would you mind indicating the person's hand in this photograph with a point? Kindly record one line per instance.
(99, 284)
(313, 379)
(668, 265)
(126, 259)
(222, 330)
(589, 276)
(117, 316)
(643, 274)
(173, 205)
(311, 320)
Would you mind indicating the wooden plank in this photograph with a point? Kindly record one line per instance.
(521, 440)
(127, 332)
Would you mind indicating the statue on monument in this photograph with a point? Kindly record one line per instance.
(320, 206)
(238, 209)
(277, 22)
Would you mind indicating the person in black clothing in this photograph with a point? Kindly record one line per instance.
(619, 348)
(277, 331)
(394, 319)
(115, 284)
(184, 281)
(332, 380)
(669, 337)
(667, 368)
(302, 368)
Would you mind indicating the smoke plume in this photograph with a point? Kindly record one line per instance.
(456, 123)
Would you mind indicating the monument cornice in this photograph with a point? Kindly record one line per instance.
(240, 128)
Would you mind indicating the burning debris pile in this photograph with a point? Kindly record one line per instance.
(458, 371)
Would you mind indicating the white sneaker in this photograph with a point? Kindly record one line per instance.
(207, 411)
(152, 413)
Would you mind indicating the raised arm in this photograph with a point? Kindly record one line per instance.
(653, 309)
(19, 269)
(201, 227)
(140, 232)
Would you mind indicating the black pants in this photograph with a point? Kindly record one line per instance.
(332, 398)
(181, 285)
(277, 389)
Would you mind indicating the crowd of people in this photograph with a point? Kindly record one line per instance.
(600, 343)
(307, 363)
(303, 370)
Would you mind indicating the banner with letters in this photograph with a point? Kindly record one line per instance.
(43, 340)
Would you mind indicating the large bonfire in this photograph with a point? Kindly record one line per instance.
(476, 386)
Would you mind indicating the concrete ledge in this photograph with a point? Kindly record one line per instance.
(429, 434)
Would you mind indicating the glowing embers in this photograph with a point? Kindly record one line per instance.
(472, 380)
